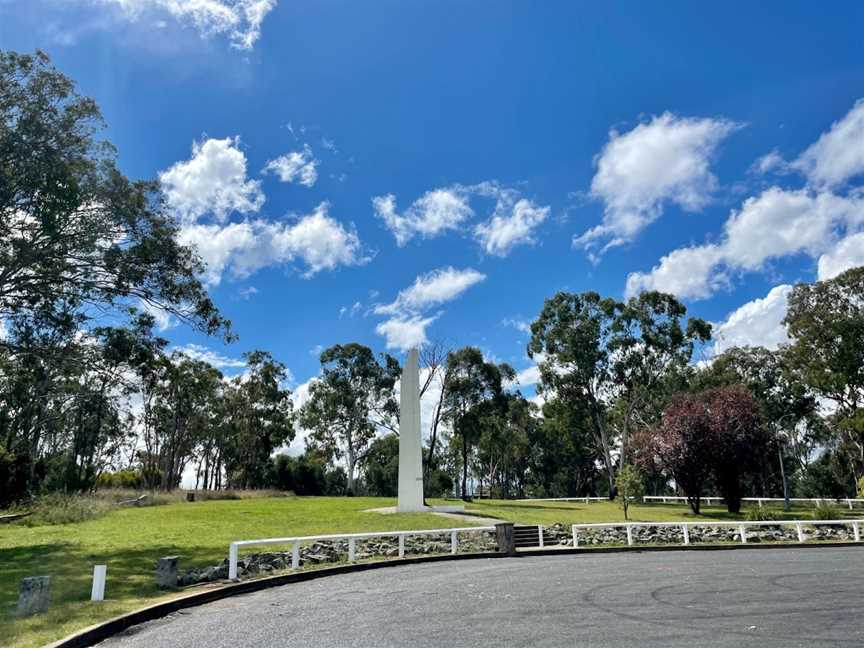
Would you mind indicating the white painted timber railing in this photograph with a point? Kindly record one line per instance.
(739, 524)
(666, 499)
(566, 499)
(352, 538)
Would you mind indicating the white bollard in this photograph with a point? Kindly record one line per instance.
(856, 532)
(743, 533)
(402, 546)
(295, 556)
(800, 532)
(540, 534)
(629, 535)
(99, 576)
(686, 534)
(232, 562)
(453, 542)
(352, 549)
(575, 537)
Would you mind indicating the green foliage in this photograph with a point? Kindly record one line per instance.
(827, 511)
(130, 479)
(861, 486)
(58, 508)
(308, 474)
(381, 467)
(630, 487)
(763, 514)
(350, 402)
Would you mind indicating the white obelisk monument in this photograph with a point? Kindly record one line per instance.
(410, 449)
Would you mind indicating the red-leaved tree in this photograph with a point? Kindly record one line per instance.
(716, 434)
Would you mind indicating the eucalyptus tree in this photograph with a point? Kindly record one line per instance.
(475, 391)
(615, 360)
(825, 321)
(259, 419)
(350, 403)
(74, 231)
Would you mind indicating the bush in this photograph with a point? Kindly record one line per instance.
(66, 509)
(762, 514)
(826, 511)
(861, 487)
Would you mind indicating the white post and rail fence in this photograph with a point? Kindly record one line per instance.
(675, 499)
(740, 525)
(352, 539)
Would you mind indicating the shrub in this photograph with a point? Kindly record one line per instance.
(826, 511)
(65, 509)
(630, 487)
(762, 514)
(861, 487)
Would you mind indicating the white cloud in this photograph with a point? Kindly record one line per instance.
(406, 328)
(239, 20)
(432, 289)
(775, 224)
(317, 240)
(405, 332)
(202, 353)
(510, 225)
(665, 160)
(430, 215)
(837, 155)
(848, 253)
(213, 182)
(529, 376)
(756, 323)
(299, 166)
(520, 325)
(164, 319)
(771, 162)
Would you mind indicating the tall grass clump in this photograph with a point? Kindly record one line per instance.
(60, 508)
(826, 511)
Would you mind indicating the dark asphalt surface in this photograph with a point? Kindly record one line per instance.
(765, 598)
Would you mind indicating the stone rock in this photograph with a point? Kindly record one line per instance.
(34, 595)
(166, 572)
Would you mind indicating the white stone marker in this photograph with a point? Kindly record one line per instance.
(410, 452)
(99, 574)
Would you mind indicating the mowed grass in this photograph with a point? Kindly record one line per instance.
(130, 541)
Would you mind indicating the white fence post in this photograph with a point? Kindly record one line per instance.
(295, 556)
(232, 561)
(402, 545)
(99, 575)
(800, 531)
(540, 534)
(743, 533)
(453, 542)
(352, 549)
(849, 502)
(575, 537)
(686, 534)
(856, 532)
(629, 535)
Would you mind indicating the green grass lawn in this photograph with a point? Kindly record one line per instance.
(130, 540)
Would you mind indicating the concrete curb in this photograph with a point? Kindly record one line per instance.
(94, 634)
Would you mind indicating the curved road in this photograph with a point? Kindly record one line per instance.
(777, 597)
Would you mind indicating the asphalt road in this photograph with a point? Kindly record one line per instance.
(764, 598)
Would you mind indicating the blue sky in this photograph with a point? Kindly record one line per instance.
(390, 172)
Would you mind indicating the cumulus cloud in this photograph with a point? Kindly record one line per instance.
(432, 289)
(756, 323)
(848, 253)
(297, 166)
(238, 20)
(406, 327)
(430, 215)
(204, 354)
(775, 224)
(838, 154)
(404, 332)
(213, 181)
(665, 160)
(510, 225)
(316, 240)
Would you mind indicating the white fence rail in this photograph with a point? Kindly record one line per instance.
(296, 541)
(666, 499)
(740, 525)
